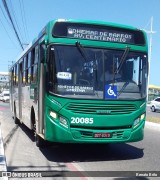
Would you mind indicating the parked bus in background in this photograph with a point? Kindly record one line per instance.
(82, 81)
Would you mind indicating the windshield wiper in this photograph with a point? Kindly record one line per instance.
(123, 88)
(86, 57)
(123, 57)
(81, 50)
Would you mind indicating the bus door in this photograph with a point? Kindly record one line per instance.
(20, 89)
(12, 81)
(42, 52)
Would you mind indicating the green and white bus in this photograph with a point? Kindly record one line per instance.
(82, 81)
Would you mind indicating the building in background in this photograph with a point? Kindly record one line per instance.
(153, 92)
(4, 81)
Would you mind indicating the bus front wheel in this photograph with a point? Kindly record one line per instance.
(39, 141)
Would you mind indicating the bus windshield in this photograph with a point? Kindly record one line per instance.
(96, 73)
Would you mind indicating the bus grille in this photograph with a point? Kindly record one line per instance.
(101, 109)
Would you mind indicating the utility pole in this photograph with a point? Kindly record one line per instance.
(150, 32)
(10, 63)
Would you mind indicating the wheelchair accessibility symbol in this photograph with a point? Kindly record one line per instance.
(110, 92)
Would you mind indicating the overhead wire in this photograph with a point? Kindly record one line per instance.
(23, 19)
(13, 15)
(5, 29)
(5, 16)
(11, 20)
(21, 28)
(25, 37)
(6, 32)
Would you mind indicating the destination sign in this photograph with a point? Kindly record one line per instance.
(100, 35)
(105, 33)
(75, 89)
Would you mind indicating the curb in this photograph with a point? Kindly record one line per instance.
(3, 165)
(156, 126)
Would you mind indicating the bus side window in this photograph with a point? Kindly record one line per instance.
(42, 53)
(29, 67)
(32, 63)
(16, 74)
(34, 66)
(24, 73)
(35, 69)
(26, 69)
(21, 72)
(12, 76)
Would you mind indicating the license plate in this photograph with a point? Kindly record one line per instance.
(102, 135)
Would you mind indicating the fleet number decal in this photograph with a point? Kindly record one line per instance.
(77, 120)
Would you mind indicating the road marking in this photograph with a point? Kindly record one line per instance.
(2, 108)
(152, 125)
(80, 172)
(3, 166)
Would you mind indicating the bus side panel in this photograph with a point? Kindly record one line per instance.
(11, 96)
(34, 103)
(26, 107)
(15, 102)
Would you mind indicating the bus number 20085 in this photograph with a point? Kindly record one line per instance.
(77, 120)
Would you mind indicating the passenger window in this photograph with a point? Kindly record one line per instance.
(34, 65)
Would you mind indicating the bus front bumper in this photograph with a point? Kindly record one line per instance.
(58, 133)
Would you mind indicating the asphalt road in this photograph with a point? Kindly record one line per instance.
(23, 155)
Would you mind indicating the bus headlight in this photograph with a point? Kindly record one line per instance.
(138, 120)
(63, 122)
(142, 116)
(53, 114)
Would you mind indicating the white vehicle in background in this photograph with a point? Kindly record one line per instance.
(5, 96)
(1, 97)
(155, 104)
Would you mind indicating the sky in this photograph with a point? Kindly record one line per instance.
(30, 16)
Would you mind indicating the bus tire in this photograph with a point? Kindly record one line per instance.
(39, 141)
